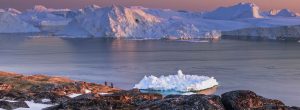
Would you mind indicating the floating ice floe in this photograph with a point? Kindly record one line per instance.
(179, 82)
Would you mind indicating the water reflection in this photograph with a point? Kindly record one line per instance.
(236, 65)
(209, 91)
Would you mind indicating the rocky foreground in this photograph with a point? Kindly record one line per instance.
(15, 89)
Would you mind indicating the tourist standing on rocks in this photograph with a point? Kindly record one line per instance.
(112, 85)
(105, 83)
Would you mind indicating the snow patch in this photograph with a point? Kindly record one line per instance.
(76, 95)
(103, 93)
(35, 106)
(46, 100)
(179, 82)
(87, 91)
(73, 95)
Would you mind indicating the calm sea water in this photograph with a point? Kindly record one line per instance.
(271, 69)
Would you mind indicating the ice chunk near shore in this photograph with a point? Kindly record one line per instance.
(179, 82)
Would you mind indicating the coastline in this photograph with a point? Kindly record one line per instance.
(19, 91)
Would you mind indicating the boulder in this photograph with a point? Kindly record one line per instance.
(186, 102)
(9, 105)
(245, 99)
(14, 95)
(294, 108)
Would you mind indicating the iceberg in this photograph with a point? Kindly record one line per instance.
(139, 22)
(41, 16)
(290, 33)
(280, 13)
(9, 23)
(238, 11)
(179, 82)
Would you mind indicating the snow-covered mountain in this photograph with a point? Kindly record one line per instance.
(281, 13)
(238, 11)
(9, 23)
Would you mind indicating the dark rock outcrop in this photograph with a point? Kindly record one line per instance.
(14, 95)
(12, 105)
(188, 102)
(134, 96)
(244, 100)
(294, 108)
(123, 100)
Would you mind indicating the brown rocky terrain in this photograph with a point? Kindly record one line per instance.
(16, 88)
(42, 83)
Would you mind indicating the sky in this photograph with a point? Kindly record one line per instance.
(193, 5)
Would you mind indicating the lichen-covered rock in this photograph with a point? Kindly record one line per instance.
(245, 99)
(9, 105)
(134, 96)
(5, 87)
(123, 100)
(42, 83)
(186, 102)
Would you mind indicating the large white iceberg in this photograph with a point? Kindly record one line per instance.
(179, 82)
(9, 23)
(139, 22)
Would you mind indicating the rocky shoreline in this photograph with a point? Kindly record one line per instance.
(17, 89)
